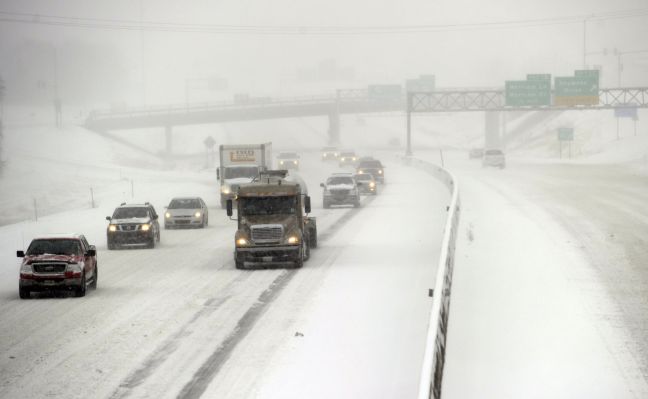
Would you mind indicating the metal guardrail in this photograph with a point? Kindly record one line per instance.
(435, 347)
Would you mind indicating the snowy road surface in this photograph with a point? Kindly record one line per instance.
(180, 320)
(551, 285)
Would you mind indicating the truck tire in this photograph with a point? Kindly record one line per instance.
(80, 291)
(24, 293)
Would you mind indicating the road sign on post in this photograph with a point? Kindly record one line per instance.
(566, 133)
(580, 89)
(626, 111)
(528, 92)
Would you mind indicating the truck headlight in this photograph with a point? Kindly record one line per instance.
(380, 172)
(167, 215)
(241, 242)
(26, 269)
(197, 214)
(112, 227)
(226, 189)
(293, 240)
(146, 227)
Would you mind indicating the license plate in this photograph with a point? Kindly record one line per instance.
(267, 258)
(49, 282)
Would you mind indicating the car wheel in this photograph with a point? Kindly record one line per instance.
(95, 278)
(24, 293)
(151, 243)
(207, 221)
(80, 291)
(356, 204)
(111, 246)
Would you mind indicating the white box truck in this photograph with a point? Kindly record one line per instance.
(241, 163)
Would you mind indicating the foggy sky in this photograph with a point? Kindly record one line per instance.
(104, 66)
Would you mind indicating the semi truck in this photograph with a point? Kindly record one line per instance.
(273, 224)
(239, 164)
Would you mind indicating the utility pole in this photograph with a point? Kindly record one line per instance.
(141, 12)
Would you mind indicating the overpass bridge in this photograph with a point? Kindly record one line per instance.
(331, 106)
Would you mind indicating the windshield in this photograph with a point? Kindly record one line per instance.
(493, 152)
(129, 213)
(288, 155)
(184, 203)
(268, 206)
(55, 247)
(370, 164)
(363, 177)
(348, 154)
(241, 171)
(339, 180)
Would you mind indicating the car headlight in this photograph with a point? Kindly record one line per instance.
(372, 184)
(360, 172)
(354, 158)
(197, 214)
(226, 189)
(342, 158)
(146, 227)
(380, 172)
(167, 215)
(112, 227)
(293, 240)
(73, 267)
(241, 242)
(280, 162)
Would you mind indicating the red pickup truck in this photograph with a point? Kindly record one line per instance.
(58, 262)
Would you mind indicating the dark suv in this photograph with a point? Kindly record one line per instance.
(372, 167)
(58, 262)
(133, 225)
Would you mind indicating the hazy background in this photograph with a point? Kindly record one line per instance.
(122, 65)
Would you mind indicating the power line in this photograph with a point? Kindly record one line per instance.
(158, 26)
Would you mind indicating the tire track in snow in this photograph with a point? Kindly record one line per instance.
(210, 368)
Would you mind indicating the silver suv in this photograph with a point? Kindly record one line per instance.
(340, 189)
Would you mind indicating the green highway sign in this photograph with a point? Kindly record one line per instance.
(566, 133)
(580, 89)
(424, 83)
(384, 92)
(527, 92)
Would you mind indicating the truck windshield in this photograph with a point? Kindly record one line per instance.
(268, 206)
(54, 247)
(241, 171)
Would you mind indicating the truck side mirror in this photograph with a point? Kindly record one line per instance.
(108, 218)
(229, 208)
(322, 185)
(20, 254)
(307, 204)
(218, 174)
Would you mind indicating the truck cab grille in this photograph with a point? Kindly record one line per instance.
(266, 233)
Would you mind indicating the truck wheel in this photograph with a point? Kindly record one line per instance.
(80, 291)
(95, 278)
(24, 293)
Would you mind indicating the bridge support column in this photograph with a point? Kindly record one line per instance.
(492, 129)
(334, 125)
(168, 135)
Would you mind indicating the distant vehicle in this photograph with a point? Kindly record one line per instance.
(241, 163)
(476, 153)
(368, 185)
(58, 262)
(373, 167)
(494, 157)
(347, 157)
(288, 160)
(340, 189)
(186, 212)
(330, 154)
(133, 225)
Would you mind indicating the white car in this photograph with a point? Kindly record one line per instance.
(494, 157)
(186, 212)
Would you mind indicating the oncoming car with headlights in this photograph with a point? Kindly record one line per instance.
(368, 185)
(58, 262)
(373, 167)
(186, 212)
(288, 160)
(133, 225)
(347, 158)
